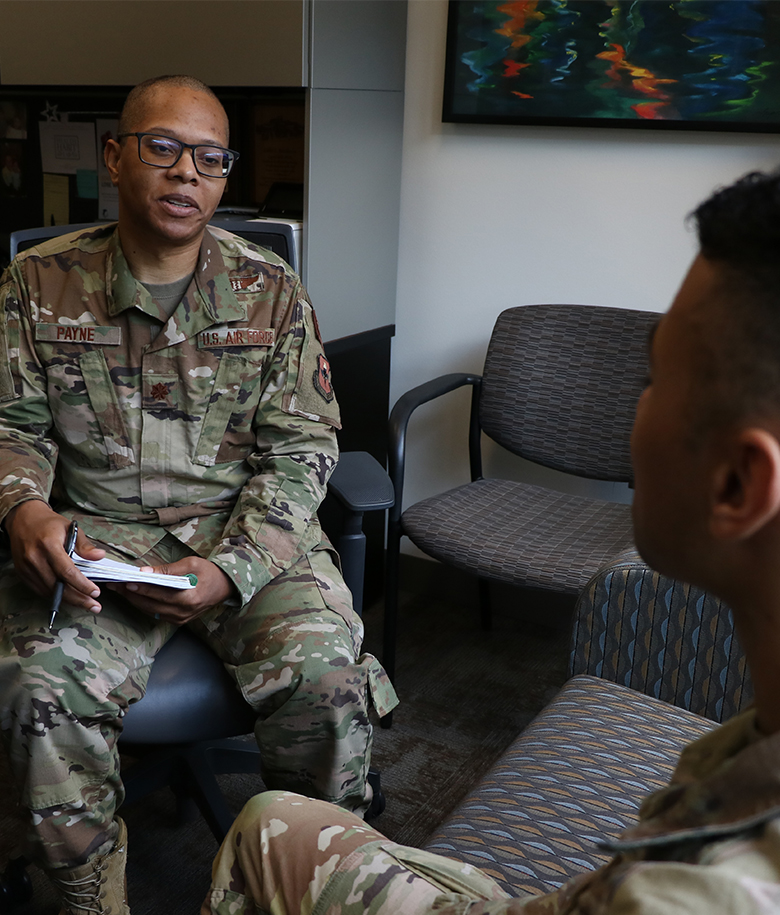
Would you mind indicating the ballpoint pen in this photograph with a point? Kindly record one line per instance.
(70, 546)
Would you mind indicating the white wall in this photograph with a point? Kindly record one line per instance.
(495, 216)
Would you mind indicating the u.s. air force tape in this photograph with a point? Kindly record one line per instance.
(236, 336)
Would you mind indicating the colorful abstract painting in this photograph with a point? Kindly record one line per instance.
(703, 64)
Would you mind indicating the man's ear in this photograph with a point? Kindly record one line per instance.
(746, 490)
(111, 153)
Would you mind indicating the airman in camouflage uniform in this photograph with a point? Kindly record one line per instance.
(706, 509)
(712, 835)
(191, 436)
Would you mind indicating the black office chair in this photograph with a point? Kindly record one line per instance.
(559, 388)
(22, 239)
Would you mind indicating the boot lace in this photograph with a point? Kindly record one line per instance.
(83, 894)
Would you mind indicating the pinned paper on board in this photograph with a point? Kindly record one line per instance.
(67, 147)
(56, 207)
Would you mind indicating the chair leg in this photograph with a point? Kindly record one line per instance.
(391, 607)
(485, 605)
(207, 795)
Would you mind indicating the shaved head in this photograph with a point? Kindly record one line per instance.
(135, 103)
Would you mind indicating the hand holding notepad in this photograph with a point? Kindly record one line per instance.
(110, 570)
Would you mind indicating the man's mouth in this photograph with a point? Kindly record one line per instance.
(180, 203)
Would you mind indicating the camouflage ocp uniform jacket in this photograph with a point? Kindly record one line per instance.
(216, 424)
(708, 844)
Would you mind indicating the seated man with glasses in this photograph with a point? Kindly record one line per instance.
(161, 385)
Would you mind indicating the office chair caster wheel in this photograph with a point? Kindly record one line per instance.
(15, 886)
(378, 802)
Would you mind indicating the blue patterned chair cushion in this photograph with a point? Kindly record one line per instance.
(576, 775)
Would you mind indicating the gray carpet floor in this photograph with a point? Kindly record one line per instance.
(465, 695)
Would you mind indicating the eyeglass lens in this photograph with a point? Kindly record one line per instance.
(163, 152)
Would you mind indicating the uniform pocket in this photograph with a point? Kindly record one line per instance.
(105, 406)
(226, 434)
(86, 414)
(448, 875)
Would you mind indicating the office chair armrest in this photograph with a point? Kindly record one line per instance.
(360, 483)
(399, 419)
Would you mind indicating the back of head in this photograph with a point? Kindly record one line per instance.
(739, 233)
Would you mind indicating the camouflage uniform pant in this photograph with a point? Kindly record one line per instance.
(293, 652)
(290, 854)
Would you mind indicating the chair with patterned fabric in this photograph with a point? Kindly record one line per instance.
(559, 388)
(655, 664)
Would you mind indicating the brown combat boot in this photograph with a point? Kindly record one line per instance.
(98, 887)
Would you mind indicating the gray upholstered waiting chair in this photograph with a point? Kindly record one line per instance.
(559, 388)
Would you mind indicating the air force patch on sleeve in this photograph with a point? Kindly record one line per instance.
(323, 383)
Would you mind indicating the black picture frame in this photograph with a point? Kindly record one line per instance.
(646, 64)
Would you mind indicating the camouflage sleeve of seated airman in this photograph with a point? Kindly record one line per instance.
(27, 453)
(274, 521)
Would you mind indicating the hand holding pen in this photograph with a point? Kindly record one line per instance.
(38, 539)
(70, 546)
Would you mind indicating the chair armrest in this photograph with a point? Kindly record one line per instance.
(399, 420)
(360, 483)
(661, 637)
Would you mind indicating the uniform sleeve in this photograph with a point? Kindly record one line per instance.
(274, 520)
(27, 453)
(745, 884)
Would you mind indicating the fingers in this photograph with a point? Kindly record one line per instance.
(86, 549)
(180, 606)
(37, 534)
(177, 607)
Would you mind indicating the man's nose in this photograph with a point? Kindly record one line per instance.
(185, 167)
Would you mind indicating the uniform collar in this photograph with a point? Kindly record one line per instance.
(208, 300)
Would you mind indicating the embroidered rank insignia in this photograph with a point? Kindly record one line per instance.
(236, 336)
(247, 283)
(322, 379)
(159, 392)
(79, 333)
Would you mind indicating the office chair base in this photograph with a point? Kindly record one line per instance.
(190, 771)
(378, 801)
(15, 886)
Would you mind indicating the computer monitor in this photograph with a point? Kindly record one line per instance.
(29, 238)
(282, 236)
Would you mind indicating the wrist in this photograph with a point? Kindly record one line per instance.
(26, 507)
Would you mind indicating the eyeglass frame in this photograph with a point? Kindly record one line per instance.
(191, 146)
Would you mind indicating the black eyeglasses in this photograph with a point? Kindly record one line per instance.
(164, 152)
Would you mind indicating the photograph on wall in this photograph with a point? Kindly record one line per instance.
(13, 120)
(12, 169)
(693, 64)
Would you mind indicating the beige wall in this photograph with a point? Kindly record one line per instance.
(495, 216)
(122, 42)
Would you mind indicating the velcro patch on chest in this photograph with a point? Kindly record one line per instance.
(236, 336)
(79, 333)
(247, 283)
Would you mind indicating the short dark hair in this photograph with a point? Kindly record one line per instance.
(739, 232)
(136, 98)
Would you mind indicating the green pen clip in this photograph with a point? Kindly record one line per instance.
(193, 578)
